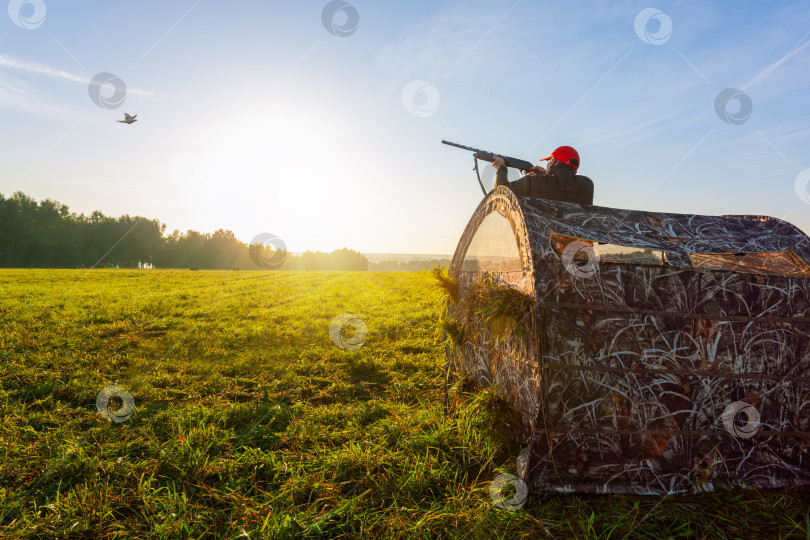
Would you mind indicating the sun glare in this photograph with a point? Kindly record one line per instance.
(288, 174)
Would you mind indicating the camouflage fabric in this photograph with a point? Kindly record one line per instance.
(680, 362)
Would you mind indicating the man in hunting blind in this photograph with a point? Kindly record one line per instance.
(558, 182)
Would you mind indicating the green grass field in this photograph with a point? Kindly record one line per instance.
(250, 422)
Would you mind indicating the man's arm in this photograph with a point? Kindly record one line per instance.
(519, 187)
(501, 173)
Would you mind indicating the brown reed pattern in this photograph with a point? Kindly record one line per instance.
(624, 382)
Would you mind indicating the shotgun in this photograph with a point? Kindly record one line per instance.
(488, 156)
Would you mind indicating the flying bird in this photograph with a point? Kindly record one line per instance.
(128, 119)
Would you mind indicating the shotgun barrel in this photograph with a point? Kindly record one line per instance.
(488, 156)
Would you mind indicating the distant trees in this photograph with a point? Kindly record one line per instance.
(48, 235)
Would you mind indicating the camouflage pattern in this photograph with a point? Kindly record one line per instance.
(688, 372)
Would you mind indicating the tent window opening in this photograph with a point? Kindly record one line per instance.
(608, 252)
(774, 263)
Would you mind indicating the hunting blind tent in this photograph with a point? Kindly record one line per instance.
(646, 353)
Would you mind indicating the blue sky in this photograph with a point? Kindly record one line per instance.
(255, 118)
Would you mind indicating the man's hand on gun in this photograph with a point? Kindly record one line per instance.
(498, 161)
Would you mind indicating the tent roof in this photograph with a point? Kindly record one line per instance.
(676, 234)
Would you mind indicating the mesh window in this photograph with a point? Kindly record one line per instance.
(494, 247)
(610, 252)
(774, 263)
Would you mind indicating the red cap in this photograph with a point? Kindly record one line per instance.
(565, 154)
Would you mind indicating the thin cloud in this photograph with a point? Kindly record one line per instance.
(762, 75)
(18, 96)
(39, 69)
(635, 131)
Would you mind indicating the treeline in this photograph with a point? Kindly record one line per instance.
(48, 235)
